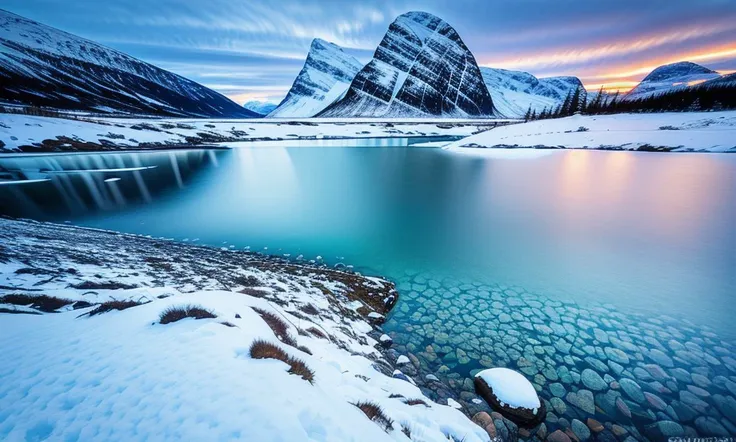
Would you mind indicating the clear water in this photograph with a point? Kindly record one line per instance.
(640, 244)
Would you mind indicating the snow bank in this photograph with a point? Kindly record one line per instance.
(122, 375)
(511, 388)
(694, 131)
(44, 133)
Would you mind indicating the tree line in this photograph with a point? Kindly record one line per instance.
(691, 99)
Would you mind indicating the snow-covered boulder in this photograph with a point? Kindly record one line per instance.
(420, 68)
(511, 394)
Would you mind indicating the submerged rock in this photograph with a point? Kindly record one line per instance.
(593, 380)
(511, 394)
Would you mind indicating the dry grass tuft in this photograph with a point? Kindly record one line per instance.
(113, 305)
(309, 309)
(406, 430)
(305, 349)
(227, 324)
(316, 332)
(376, 414)
(265, 350)
(416, 402)
(47, 304)
(177, 313)
(278, 325)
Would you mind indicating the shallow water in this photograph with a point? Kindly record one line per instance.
(536, 260)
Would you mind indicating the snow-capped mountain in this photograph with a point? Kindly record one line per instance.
(670, 77)
(514, 92)
(420, 68)
(260, 107)
(325, 77)
(43, 66)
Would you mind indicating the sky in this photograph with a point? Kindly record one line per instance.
(253, 50)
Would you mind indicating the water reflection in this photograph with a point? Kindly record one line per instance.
(52, 186)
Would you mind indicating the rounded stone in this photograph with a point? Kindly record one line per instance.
(558, 436)
(632, 390)
(580, 429)
(511, 394)
(593, 380)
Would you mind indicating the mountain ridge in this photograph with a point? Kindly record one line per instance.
(421, 67)
(48, 67)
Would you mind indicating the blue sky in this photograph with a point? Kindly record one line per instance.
(254, 49)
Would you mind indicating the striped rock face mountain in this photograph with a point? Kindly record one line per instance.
(420, 68)
(325, 77)
(43, 66)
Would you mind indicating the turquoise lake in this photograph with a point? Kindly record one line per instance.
(500, 257)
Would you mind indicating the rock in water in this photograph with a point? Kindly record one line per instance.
(325, 77)
(511, 394)
(420, 68)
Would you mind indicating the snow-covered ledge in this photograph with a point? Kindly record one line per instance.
(97, 344)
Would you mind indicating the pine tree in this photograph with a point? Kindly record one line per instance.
(565, 111)
(575, 102)
(534, 115)
(528, 114)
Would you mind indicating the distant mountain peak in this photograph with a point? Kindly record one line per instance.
(420, 68)
(679, 69)
(325, 76)
(671, 77)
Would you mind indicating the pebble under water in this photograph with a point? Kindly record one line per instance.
(641, 376)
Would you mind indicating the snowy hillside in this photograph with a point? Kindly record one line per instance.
(671, 77)
(514, 92)
(680, 132)
(260, 107)
(145, 339)
(43, 66)
(420, 68)
(325, 77)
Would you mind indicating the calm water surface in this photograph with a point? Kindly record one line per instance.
(468, 238)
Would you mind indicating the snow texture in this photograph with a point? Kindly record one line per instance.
(420, 68)
(680, 132)
(123, 376)
(325, 77)
(43, 66)
(511, 388)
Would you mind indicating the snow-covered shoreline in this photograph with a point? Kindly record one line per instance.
(31, 134)
(126, 375)
(661, 132)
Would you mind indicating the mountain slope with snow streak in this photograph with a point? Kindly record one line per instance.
(43, 66)
(325, 77)
(515, 92)
(420, 68)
